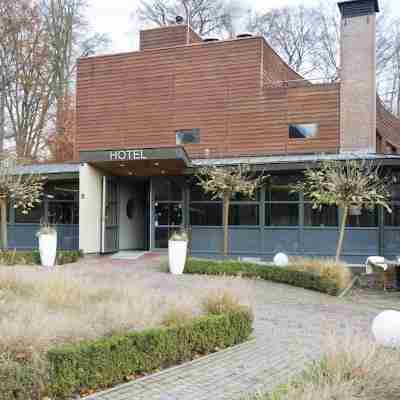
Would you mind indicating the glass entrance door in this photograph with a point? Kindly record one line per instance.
(110, 216)
(168, 209)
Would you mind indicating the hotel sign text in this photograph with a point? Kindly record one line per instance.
(127, 155)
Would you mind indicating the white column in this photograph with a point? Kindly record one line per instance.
(90, 191)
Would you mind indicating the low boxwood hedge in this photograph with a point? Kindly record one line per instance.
(102, 363)
(15, 257)
(291, 276)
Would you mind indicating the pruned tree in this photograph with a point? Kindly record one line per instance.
(346, 184)
(224, 183)
(206, 16)
(23, 190)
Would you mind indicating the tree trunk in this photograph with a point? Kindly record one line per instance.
(3, 224)
(341, 234)
(226, 223)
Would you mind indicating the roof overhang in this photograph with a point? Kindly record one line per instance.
(296, 161)
(140, 162)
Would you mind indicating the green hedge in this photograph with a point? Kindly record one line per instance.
(102, 363)
(15, 257)
(304, 279)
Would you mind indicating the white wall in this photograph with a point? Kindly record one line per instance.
(90, 191)
(132, 231)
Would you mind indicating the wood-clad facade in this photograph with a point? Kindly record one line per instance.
(230, 90)
(234, 101)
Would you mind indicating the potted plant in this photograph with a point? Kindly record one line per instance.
(47, 236)
(177, 252)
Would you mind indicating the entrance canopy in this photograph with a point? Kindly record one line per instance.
(139, 162)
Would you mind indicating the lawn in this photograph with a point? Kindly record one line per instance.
(96, 299)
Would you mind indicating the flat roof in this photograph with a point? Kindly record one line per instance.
(296, 160)
(48, 169)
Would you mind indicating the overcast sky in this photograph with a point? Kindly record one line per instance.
(116, 17)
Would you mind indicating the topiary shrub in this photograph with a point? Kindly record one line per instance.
(301, 277)
(102, 363)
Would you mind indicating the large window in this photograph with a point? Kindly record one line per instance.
(60, 205)
(324, 216)
(203, 209)
(34, 216)
(206, 211)
(281, 206)
(393, 218)
(168, 209)
(367, 219)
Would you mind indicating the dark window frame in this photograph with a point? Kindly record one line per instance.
(294, 129)
(194, 133)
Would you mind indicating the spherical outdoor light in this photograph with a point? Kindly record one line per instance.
(386, 328)
(281, 260)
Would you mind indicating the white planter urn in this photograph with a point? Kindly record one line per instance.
(48, 249)
(177, 252)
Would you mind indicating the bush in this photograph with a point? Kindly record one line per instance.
(22, 380)
(102, 363)
(14, 257)
(221, 302)
(328, 268)
(354, 369)
(177, 316)
(297, 277)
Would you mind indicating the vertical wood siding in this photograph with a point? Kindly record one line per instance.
(140, 99)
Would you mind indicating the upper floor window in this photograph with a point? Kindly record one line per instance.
(303, 131)
(188, 136)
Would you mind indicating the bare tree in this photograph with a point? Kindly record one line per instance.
(308, 39)
(39, 44)
(206, 16)
(290, 31)
(67, 27)
(23, 55)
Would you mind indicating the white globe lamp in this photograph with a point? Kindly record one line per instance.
(386, 328)
(281, 260)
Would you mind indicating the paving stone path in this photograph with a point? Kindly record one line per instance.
(290, 329)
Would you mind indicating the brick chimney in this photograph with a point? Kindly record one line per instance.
(358, 76)
(168, 36)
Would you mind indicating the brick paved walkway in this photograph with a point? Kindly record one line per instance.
(291, 326)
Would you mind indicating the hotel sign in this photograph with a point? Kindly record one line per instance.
(127, 155)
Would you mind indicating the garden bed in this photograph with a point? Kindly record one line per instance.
(15, 257)
(98, 323)
(321, 275)
(98, 364)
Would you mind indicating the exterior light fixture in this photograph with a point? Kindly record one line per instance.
(122, 165)
(156, 164)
